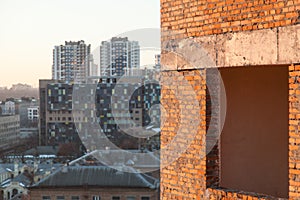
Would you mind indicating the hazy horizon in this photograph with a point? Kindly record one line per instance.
(30, 30)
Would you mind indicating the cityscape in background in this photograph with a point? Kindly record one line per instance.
(46, 138)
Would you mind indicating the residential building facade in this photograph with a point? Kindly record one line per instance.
(119, 56)
(9, 108)
(33, 113)
(56, 119)
(71, 62)
(9, 131)
(124, 106)
(157, 59)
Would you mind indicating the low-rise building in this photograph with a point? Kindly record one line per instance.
(29, 133)
(15, 178)
(9, 108)
(9, 131)
(95, 182)
(11, 188)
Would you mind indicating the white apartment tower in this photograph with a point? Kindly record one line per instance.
(33, 113)
(119, 56)
(71, 62)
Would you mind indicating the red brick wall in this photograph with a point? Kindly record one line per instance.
(192, 176)
(184, 178)
(294, 134)
(198, 18)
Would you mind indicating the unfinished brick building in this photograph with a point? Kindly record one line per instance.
(255, 46)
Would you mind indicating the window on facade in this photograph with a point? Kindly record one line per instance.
(75, 198)
(96, 198)
(60, 198)
(145, 198)
(131, 198)
(115, 198)
(46, 198)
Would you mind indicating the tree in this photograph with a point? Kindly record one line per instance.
(68, 149)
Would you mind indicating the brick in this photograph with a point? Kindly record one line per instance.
(191, 18)
(235, 11)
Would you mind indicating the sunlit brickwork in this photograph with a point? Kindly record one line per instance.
(235, 34)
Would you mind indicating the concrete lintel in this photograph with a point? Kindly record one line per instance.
(289, 44)
(247, 48)
(190, 53)
(260, 47)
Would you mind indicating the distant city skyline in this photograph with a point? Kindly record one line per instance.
(30, 29)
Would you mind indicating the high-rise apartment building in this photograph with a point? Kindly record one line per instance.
(119, 56)
(127, 105)
(56, 118)
(71, 62)
(157, 62)
(157, 59)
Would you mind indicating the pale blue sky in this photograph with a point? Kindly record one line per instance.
(30, 28)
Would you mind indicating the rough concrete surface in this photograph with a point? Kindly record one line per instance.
(259, 47)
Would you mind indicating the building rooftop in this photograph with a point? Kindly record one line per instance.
(102, 176)
(45, 150)
(22, 179)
